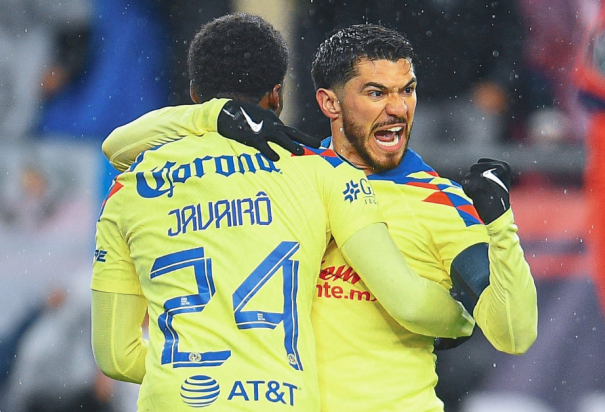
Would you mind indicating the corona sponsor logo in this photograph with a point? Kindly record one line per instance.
(162, 181)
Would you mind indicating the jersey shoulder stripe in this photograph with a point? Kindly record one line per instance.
(412, 171)
(327, 154)
(113, 189)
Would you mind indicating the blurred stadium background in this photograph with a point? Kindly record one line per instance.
(71, 71)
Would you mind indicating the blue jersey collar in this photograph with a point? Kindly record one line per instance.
(412, 162)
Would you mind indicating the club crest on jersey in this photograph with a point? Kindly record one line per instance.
(359, 190)
(159, 182)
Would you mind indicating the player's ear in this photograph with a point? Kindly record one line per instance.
(328, 103)
(192, 93)
(276, 99)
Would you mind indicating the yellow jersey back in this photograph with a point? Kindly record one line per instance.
(226, 246)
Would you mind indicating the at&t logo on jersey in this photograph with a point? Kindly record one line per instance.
(359, 189)
(260, 390)
(200, 391)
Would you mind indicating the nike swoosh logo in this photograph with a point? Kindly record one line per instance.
(489, 174)
(227, 112)
(256, 127)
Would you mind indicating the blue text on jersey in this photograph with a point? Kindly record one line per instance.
(159, 182)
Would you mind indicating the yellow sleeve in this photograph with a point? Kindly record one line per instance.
(507, 310)
(157, 127)
(113, 269)
(420, 305)
(117, 338)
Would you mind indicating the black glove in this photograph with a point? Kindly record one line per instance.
(488, 184)
(254, 126)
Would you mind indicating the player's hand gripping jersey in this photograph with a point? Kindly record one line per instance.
(232, 119)
(366, 361)
(223, 247)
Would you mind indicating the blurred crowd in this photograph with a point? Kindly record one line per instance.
(494, 80)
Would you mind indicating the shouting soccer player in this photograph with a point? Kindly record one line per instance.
(221, 246)
(366, 85)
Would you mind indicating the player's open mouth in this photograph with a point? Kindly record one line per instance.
(389, 139)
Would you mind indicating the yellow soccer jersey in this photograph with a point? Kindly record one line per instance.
(366, 360)
(226, 246)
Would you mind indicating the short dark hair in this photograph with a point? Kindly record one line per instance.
(237, 56)
(335, 60)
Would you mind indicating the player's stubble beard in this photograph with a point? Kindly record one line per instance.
(359, 140)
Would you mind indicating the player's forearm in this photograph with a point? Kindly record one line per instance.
(507, 310)
(158, 127)
(117, 339)
(420, 305)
